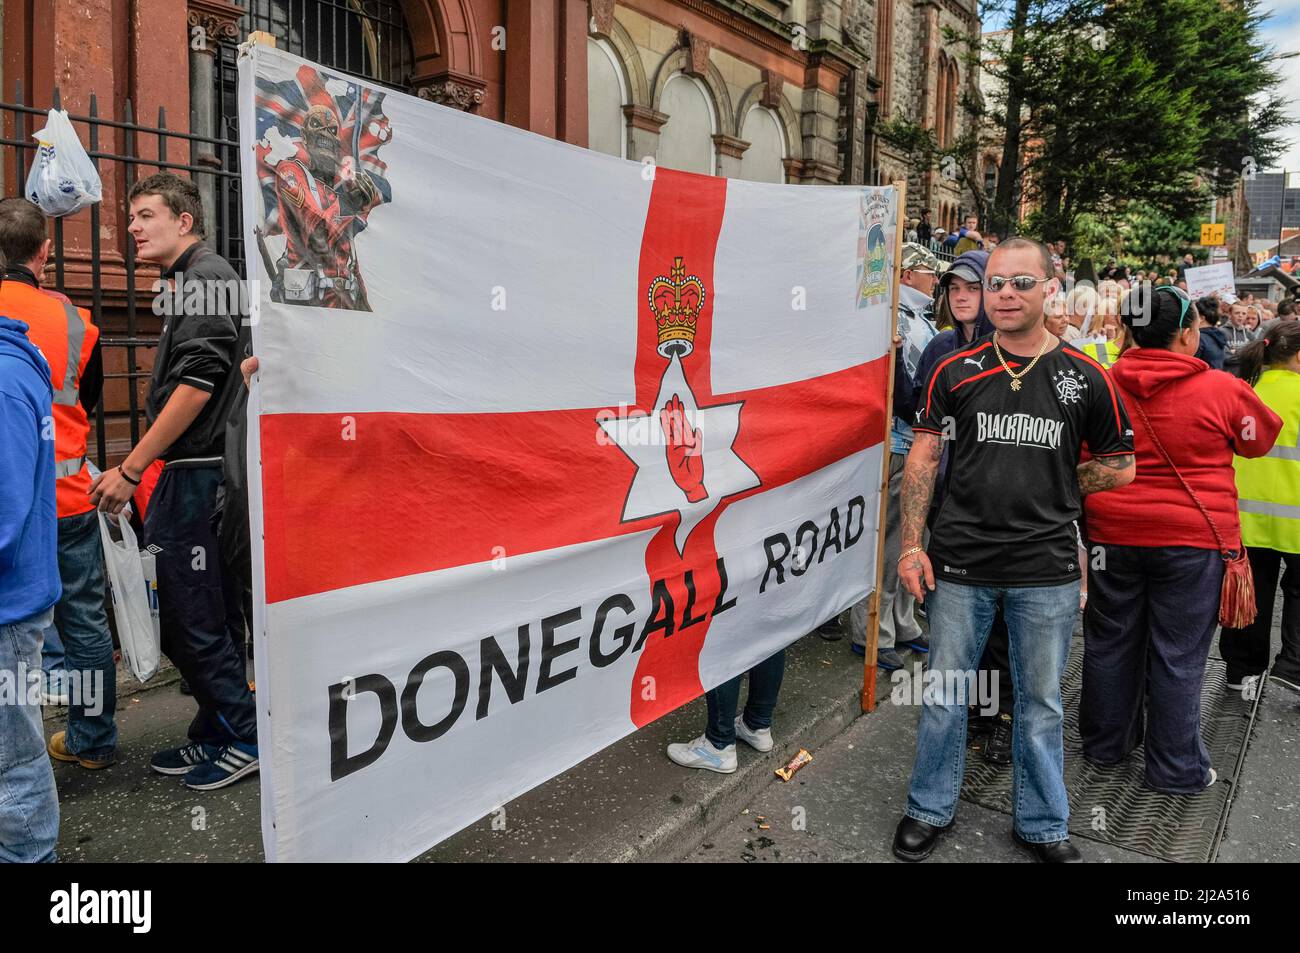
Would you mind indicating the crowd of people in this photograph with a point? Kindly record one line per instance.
(1057, 445)
(1060, 447)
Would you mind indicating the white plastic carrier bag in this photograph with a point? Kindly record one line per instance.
(63, 180)
(134, 585)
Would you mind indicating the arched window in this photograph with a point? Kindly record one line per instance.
(764, 160)
(686, 139)
(941, 102)
(990, 175)
(950, 104)
(365, 38)
(606, 97)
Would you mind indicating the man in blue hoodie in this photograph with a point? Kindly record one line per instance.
(961, 291)
(29, 588)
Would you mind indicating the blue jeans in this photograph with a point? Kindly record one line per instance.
(29, 804)
(52, 654)
(1039, 622)
(764, 686)
(87, 642)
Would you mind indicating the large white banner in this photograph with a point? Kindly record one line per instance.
(547, 443)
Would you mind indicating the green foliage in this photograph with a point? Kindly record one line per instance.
(1094, 238)
(1131, 101)
(1146, 232)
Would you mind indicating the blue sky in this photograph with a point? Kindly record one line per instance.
(1283, 31)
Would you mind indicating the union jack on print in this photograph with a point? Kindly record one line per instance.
(282, 107)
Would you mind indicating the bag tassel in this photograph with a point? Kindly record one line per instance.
(1237, 607)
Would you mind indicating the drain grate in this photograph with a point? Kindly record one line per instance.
(1110, 805)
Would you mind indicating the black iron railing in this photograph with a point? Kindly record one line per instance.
(217, 161)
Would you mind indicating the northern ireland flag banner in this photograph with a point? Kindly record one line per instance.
(544, 444)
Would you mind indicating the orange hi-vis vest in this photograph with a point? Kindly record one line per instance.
(66, 336)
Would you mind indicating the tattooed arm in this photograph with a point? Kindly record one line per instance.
(1106, 473)
(914, 497)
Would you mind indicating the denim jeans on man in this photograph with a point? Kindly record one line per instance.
(1039, 622)
(87, 642)
(764, 686)
(53, 660)
(29, 803)
(1151, 616)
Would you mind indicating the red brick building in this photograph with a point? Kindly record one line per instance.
(777, 90)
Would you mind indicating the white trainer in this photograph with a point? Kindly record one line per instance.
(700, 753)
(760, 740)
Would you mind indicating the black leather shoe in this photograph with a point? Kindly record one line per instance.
(1057, 852)
(997, 750)
(915, 840)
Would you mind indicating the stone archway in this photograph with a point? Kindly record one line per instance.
(448, 52)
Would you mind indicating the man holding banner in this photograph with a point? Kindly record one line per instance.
(1017, 405)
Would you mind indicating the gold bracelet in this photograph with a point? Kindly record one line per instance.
(911, 552)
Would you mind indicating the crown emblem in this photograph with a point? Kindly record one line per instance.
(676, 302)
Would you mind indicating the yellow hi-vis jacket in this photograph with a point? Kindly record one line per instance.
(1268, 487)
(1104, 353)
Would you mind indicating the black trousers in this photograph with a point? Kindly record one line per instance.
(198, 607)
(1147, 631)
(1246, 650)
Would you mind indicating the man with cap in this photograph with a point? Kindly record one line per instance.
(915, 330)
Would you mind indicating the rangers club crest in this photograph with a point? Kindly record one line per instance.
(1071, 385)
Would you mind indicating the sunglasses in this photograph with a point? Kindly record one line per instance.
(1184, 301)
(1019, 282)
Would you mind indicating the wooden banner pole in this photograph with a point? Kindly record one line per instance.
(873, 601)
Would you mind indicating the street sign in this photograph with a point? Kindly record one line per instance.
(1212, 233)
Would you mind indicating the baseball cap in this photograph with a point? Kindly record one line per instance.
(917, 256)
(962, 270)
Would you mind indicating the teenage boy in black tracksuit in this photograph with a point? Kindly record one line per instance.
(195, 382)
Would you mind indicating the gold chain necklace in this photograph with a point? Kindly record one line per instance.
(1015, 378)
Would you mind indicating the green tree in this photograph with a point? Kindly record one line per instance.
(1105, 104)
(1145, 232)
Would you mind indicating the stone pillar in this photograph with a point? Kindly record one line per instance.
(730, 150)
(571, 78)
(820, 121)
(931, 40)
(825, 20)
(211, 23)
(530, 68)
(643, 125)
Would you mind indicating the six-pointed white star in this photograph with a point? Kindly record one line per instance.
(641, 437)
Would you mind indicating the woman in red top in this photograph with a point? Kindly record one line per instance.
(1156, 568)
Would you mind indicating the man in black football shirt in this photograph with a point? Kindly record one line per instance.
(1018, 405)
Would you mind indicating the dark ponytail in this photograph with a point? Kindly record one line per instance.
(1281, 339)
